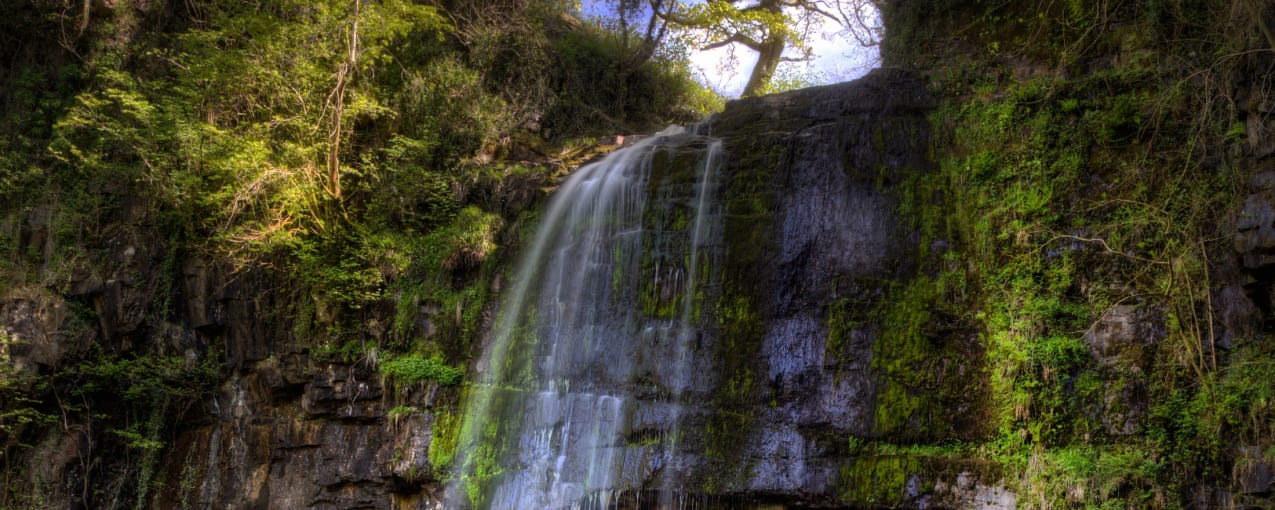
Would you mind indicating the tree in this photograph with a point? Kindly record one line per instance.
(639, 47)
(777, 30)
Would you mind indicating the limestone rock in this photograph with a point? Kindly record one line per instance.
(1124, 334)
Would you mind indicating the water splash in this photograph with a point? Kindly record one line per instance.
(549, 423)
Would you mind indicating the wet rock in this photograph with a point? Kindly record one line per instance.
(36, 234)
(290, 464)
(968, 491)
(1237, 314)
(326, 446)
(1124, 405)
(1124, 335)
(202, 286)
(344, 391)
(1253, 472)
(285, 374)
(410, 460)
(1255, 229)
(58, 478)
(41, 329)
(819, 166)
(1254, 240)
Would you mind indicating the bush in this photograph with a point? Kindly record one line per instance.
(412, 369)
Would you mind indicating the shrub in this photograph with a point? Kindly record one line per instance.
(413, 368)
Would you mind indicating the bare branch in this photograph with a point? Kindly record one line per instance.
(813, 7)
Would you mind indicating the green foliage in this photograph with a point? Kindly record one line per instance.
(18, 407)
(36, 87)
(789, 76)
(724, 19)
(595, 89)
(443, 114)
(774, 30)
(332, 146)
(472, 238)
(1065, 196)
(140, 440)
(265, 134)
(398, 412)
(414, 369)
(568, 80)
(337, 269)
(1027, 251)
(1098, 478)
(351, 351)
(143, 380)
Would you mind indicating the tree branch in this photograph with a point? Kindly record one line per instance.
(735, 38)
(812, 7)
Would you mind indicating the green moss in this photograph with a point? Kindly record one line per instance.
(918, 357)
(840, 327)
(444, 435)
(741, 331)
(728, 426)
(488, 447)
(878, 481)
(1056, 198)
(667, 219)
(519, 368)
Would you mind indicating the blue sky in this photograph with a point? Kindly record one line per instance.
(837, 58)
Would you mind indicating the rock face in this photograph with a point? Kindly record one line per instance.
(813, 246)
(797, 245)
(329, 446)
(809, 219)
(804, 245)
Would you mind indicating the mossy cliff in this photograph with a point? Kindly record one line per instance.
(1028, 264)
(248, 249)
(1098, 220)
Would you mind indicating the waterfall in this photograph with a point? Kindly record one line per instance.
(689, 325)
(550, 422)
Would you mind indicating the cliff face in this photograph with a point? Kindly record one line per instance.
(724, 327)
(250, 415)
(1036, 271)
(808, 246)
(1102, 188)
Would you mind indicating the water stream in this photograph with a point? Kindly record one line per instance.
(579, 395)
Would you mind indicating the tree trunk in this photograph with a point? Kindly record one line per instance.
(769, 53)
(768, 58)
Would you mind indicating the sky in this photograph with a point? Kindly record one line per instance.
(837, 58)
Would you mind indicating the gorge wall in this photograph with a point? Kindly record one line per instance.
(1032, 270)
(808, 245)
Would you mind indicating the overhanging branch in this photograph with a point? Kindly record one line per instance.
(736, 38)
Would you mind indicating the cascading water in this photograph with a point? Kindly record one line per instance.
(688, 327)
(551, 423)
